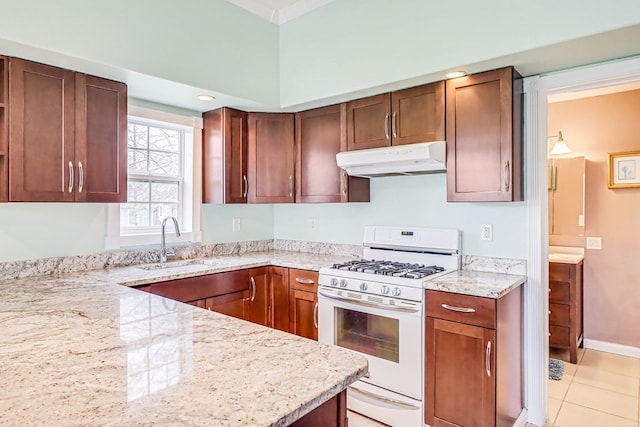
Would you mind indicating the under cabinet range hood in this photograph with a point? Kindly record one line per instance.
(410, 159)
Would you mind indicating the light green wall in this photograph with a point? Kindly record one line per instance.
(209, 44)
(349, 45)
(411, 201)
(43, 230)
(256, 223)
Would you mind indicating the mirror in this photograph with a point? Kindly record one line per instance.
(566, 196)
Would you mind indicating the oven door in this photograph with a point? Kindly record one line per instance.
(390, 337)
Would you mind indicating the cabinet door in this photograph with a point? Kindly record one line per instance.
(418, 114)
(460, 374)
(224, 156)
(4, 147)
(484, 141)
(320, 135)
(368, 122)
(235, 304)
(259, 295)
(271, 158)
(101, 140)
(303, 313)
(279, 304)
(41, 139)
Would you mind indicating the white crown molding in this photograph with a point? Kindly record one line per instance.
(269, 11)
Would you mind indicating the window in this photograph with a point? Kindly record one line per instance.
(161, 180)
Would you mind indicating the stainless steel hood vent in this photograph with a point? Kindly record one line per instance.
(410, 159)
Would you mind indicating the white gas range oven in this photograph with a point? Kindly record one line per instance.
(375, 306)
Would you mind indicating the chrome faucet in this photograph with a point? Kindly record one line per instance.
(164, 253)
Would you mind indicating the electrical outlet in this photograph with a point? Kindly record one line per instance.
(486, 232)
(594, 242)
(580, 220)
(312, 223)
(236, 224)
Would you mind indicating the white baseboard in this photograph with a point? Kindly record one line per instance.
(624, 350)
(522, 419)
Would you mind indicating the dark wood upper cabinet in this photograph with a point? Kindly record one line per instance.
(101, 140)
(224, 153)
(67, 135)
(271, 158)
(484, 137)
(418, 114)
(406, 116)
(4, 137)
(368, 122)
(320, 135)
(41, 139)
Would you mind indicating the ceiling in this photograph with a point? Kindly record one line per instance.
(279, 11)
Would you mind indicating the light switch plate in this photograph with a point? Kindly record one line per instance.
(594, 242)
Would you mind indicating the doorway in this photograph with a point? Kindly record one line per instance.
(537, 91)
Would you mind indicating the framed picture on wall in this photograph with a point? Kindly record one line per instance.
(624, 169)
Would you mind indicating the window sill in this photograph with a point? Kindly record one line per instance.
(150, 239)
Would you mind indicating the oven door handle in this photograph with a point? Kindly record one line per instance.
(386, 400)
(370, 304)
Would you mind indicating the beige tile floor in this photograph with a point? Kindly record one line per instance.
(602, 390)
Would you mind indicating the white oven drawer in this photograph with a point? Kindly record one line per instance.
(384, 406)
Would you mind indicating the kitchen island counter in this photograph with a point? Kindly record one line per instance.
(80, 349)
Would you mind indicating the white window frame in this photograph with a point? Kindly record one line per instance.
(190, 188)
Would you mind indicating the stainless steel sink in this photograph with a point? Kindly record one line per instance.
(178, 264)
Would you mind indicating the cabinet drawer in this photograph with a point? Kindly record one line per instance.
(559, 314)
(303, 280)
(200, 287)
(462, 308)
(559, 272)
(558, 335)
(560, 292)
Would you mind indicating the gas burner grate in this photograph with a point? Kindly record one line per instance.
(390, 268)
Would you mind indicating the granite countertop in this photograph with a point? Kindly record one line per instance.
(566, 258)
(476, 283)
(81, 349)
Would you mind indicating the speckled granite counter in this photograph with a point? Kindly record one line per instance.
(476, 283)
(80, 350)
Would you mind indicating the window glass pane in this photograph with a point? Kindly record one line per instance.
(137, 136)
(138, 191)
(164, 139)
(134, 215)
(137, 161)
(164, 192)
(160, 211)
(164, 164)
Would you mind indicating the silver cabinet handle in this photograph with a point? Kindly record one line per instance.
(70, 177)
(393, 125)
(507, 176)
(488, 358)
(290, 186)
(459, 309)
(246, 186)
(315, 315)
(253, 289)
(305, 281)
(386, 126)
(81, 177)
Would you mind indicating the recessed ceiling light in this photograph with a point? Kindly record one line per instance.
(456, 74)
(206, 97)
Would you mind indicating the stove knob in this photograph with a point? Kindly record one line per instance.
(343, 283)
(334, 282)
(363, 286)
(396, 292)
(384, 290)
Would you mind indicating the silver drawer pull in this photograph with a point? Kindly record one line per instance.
(459, 309)
(305, 281)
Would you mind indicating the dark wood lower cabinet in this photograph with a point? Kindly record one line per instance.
(279, 298)
(259, 296)
(235, 304)
(303, 313)
(332, 413)
(473, 360)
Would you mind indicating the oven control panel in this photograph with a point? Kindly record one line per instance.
(372, 287)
